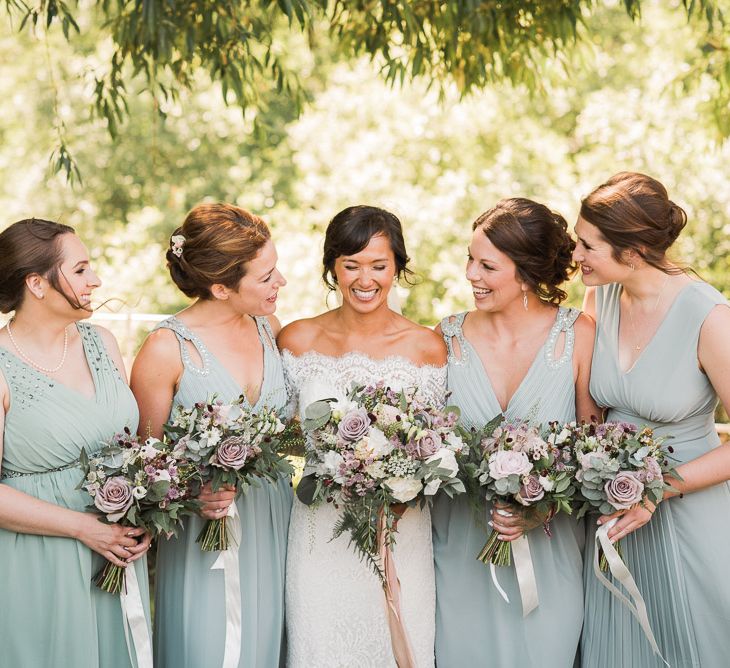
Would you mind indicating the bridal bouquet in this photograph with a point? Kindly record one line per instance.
(618, 466)
(230, 445)
(373, 452)
(514, 463)
(138, 483)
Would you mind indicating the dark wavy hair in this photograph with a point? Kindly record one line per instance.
(350, 231)
(633, 212)
(536, 239)
(219, 240)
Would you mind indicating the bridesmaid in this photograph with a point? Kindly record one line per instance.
(62, 388)
(520, 354)
(224, 343)
(661, 359)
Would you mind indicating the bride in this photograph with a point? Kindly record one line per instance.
(336, 614)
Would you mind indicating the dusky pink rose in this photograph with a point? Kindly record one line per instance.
(505, 463)
(624, 490)
(429, 444)
(232, 453)
(114, 498)
(354, 425)
(531, 491)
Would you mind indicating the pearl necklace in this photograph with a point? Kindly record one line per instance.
(35, 365)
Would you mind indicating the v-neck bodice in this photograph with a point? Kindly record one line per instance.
(547, 391)
(199, 382)
(48, 422)
(665, 387)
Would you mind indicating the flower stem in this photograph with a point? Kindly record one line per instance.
(603, 562)
(214, 536)
(498, 552)
(110, 578)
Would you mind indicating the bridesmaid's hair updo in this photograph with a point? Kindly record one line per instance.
(30, 246)
(633, 212)
(350, 231)
(536, 240)
(213, 246)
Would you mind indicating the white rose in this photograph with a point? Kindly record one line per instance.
(380, 446)
(404, 489)
(139, 492)
(546, 483)
(447, 461)
(505, 463)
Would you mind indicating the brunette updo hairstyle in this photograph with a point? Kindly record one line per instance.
(219, 239)
(536, 240)
(350, 231)
(30, 246)
(634, 212)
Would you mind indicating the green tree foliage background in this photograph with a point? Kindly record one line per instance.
(641, 95)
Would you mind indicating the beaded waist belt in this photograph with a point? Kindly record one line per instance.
(9, 473)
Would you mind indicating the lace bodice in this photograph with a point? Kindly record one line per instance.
(313, 375)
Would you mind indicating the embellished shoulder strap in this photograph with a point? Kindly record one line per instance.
(266, 334)
(564, 322)
(183, 334)
(97, 354)
(452, 328)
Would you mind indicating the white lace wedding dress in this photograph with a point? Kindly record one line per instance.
(335, 607)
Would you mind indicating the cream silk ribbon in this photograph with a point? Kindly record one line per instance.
(525, 573)
(227, 561)
(398, 635)
(623, 575)
(135, 622)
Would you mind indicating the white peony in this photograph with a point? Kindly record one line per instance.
(404, 489)
(379, 443)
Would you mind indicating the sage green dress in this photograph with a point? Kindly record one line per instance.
(680, 559)
(51, 614)
(190, 612)
(474, 625)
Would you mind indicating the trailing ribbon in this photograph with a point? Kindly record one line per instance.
(623, 575)
(525, 576)
(227, 561)
(391, 587)
(135, 621)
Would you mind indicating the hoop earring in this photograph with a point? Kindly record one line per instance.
(524, 299)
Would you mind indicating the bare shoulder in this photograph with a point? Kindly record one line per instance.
(589, 301)
(714, 329)
(160, 350)
(427, 344)
(301, 335)
(585, 328)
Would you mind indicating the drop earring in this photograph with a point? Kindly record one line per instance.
(524, 299)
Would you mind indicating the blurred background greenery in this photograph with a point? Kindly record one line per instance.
(638, 94)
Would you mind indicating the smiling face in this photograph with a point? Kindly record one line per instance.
(366, 278)
(492, 274)
(257, 291)
(76, 280)
(595, 256)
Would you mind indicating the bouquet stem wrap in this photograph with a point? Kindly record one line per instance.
(398, 635)
(227, 561)
(135, 622)
(623, 575)
(525, 573)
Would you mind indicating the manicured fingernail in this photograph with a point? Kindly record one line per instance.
(599, 522)
(490, 523)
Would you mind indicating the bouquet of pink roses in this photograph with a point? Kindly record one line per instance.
(138, 483)
(230, 445)
(375, 450)
(618, 466)
(517, 464)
